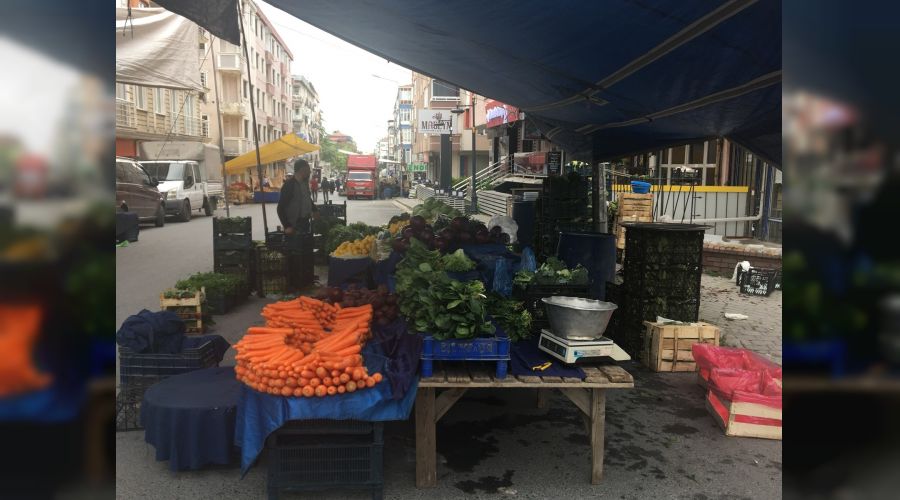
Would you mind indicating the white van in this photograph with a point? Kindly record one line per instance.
(190, 175)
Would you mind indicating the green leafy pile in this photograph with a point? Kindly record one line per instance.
(433, 303)
(553, 272)
(338, 235)
(511, 315)
(365, 229)
(231, 224)
(324, 223)
(213, 282)
(457, 262)
(173, 293)
(432, 208)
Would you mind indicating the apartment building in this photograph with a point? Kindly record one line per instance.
(400, 128)
(433, 94)
(307, 117)
(269, 72)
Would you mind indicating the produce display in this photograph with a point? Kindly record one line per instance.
(459, 231)
(359, 248)
(553, 272)
(434, 303)
(384, 304)
(353, 232)
(213, 282)
(395, 227)
(320, 356)
(325, 223)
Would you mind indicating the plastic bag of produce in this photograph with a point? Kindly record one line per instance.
(528, 262)
(507, 224)
(502, 278)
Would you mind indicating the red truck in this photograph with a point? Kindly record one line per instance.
(362, 176)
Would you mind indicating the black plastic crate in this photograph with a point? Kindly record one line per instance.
(128, 407)
(341, 427)
(271, 271)
(232, 233)
(333, 210)
(232, 258)
(662, 271)
(758, 281)
(144, 369)
(301, 461)
(531, 299)
(232, 225)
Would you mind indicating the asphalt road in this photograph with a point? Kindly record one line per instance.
(165, 255)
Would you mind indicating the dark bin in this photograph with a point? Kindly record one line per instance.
(594, 251)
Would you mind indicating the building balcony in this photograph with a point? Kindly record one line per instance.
(236, 146)
(269, 57)
(124, 113)
(270, 88)
(235, 108)
(230, 62)
(173, 125)
(271, 120)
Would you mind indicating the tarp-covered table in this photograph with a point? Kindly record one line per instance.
(262, 414)
(189, 418)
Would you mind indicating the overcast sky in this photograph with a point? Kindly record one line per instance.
(351, 98)
(33, 95)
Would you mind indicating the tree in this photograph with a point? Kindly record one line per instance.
(331, 152)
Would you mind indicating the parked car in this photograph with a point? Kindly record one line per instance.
(136, 192)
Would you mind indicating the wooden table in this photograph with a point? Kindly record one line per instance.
(589, 395)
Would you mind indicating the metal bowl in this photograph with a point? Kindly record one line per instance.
(576, 318)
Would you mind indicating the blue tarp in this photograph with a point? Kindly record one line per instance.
(612, 77)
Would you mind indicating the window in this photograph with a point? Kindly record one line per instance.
(678, 156)
(173, 101)
(140, 95)
(204, 125)
(135, 174)
(406, 135)
(697, 155)
(189, 106)
(442, 91)
(246, 129)
(404, 115)
(120, 172)
(121, 91)
(203, 47)
(246, 90)
(204, 80)
(159, 101)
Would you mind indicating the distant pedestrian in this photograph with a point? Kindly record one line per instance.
(326, 189)
(266, 183)
(314, 187)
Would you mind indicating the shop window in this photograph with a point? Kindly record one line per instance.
(677, 156)
(697, 153)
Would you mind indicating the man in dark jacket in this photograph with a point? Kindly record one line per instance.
(295, 205)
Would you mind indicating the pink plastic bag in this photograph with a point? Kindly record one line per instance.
(708, 357)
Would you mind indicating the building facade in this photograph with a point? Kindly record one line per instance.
(269, 72)
(307, 117)
(400, 128)
(433, 94)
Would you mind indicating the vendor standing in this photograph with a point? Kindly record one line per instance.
(295, 208)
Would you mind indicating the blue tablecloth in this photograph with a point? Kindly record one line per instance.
(190, 418)
(384, 269)
(261, 414)
(525, 354)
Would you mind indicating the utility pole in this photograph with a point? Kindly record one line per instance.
(221, 132)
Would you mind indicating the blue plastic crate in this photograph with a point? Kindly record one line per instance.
(494, 348)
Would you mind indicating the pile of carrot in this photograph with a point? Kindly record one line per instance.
(302, 311)
(305, 360)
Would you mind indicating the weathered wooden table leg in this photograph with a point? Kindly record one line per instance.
(542, 395)
(426, 446)
(598, 428)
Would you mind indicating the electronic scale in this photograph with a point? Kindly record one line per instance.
(570, 351)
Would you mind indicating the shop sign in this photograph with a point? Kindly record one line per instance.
(416, 167)
(554, 162)
(436, 121)
(496, 113)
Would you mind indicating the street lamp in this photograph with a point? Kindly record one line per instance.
(458, 111)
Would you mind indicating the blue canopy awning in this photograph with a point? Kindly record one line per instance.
(609, 77)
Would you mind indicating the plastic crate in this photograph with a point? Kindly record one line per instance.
(232, 258)
(494, 348)
(333, 210)
(758, 281)
(144, 369)
(301, 461)
(329, 426)
(531, 299)
(232, 233)
(232, 225)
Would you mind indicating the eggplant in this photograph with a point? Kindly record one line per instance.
(446, 233)
(496, 230)
(440, 243)
(397, 246)
(482, 237)
(408, 231)
(464, 237)
(459, 223)
(417, 222)
(504, 238)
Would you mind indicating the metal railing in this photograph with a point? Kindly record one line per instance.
(175, 125)
(125, 113)
(484, 178)
(234, 108)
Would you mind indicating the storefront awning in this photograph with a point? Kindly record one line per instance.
(287, 146)
(606, 78)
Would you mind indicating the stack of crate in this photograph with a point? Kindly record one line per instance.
(189, 309)
(633, 207)
(233, 248)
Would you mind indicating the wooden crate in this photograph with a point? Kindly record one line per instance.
(189, 309)
(667, 348)
(745, 419)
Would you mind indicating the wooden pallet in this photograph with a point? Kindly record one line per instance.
(189, 309)
(620, 229)
(736, 413)
(667, 348)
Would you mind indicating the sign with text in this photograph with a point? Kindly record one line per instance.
(554, 162)
(496, 113)
(436, 121)
(416, 167)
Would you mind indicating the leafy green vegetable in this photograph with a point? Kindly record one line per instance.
(213, 282)
(457, 262)
(553, 272)
(511, 315)
(324, 223)
(433, 303)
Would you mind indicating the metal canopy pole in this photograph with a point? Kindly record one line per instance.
(474, 162)
(259, 169)
(221, 131)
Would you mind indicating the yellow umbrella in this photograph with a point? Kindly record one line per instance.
(285, 147)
